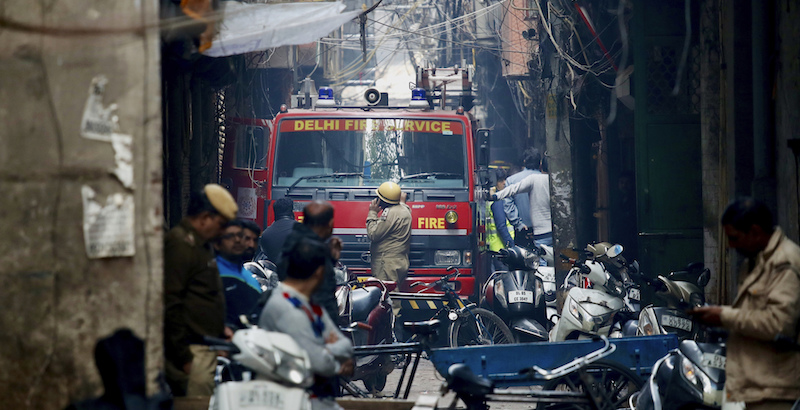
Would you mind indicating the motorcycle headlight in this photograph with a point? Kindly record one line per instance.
(646, 326)
(695, 376)
(575, 309)
(292, 368)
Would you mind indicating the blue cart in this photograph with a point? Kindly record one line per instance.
(501, 363)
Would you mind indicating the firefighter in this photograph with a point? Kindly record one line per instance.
(389, 229)
(498, 238)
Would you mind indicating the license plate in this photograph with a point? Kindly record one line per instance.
(259, 395)
(517, 296)
(263, 396)
(677, 322)
(713, 360)
(634, 294)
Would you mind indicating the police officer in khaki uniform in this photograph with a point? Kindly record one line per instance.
(389, 229)
(194, 299)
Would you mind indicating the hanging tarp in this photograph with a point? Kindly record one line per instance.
(247, 27)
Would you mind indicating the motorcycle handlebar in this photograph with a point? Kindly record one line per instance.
(215, 343)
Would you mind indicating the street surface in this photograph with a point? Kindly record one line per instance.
(428, 382)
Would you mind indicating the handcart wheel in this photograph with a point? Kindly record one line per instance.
(375, 383)
(489, 329)
(613, 380)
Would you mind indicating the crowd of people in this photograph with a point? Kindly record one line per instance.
(208, 291)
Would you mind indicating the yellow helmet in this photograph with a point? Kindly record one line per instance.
(389, 192)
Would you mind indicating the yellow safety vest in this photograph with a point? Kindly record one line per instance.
(493, 238)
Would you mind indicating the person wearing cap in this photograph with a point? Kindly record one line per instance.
(194, 299)
(389, 229)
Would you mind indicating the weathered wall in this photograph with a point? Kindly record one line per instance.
(56, 301)
(787, 114)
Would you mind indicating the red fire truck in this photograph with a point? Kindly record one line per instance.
(342, 154)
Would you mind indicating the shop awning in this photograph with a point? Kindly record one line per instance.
(247, 27)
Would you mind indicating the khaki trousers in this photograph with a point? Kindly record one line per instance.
(393, 269)
(200, 382)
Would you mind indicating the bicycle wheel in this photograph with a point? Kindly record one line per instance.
(615, 382)
(486, 328)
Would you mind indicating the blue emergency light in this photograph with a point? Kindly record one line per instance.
(325, 97)
(418, 98)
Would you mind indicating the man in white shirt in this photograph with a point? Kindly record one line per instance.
(538, 188)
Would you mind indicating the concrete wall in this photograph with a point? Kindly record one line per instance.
(56, 302)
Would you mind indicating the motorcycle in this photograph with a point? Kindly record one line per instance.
(598, 298)
(680, 291)
(265, 272)
(518, 295)
(365, 314)
(691, 376)
(266, 369)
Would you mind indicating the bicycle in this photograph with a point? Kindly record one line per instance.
(469, 325)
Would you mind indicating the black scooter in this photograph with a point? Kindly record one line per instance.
(679, 291)
(517, 295)
(691, 376)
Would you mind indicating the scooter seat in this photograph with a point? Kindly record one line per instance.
(364, 300)
(464, 382)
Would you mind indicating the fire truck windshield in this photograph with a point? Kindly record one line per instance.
(364, 152)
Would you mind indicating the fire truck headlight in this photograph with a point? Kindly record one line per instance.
(447, 258)
(451, 217)
(467, 257)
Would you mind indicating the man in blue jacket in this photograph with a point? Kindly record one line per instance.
(241, 288)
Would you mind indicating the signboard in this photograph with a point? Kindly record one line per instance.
(368, 124)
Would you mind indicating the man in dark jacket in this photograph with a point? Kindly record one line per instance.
(194, 300)
(318, 225)
(271, 242)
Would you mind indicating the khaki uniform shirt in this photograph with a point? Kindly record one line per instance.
(767, 304)
(194, 299)
(390, 233)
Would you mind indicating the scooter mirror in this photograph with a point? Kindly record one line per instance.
(703, 279)
(614, 251)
